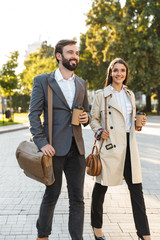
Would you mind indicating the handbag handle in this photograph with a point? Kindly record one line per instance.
(95, 146)
(50, 113)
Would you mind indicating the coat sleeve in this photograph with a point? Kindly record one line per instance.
(96, 114)
(35, 111)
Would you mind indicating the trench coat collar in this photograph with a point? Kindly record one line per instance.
(127, 90)
(130, 96)
(57, 90)
(111, 101)
(108, 91)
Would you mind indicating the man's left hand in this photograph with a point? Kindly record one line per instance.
(83, 118)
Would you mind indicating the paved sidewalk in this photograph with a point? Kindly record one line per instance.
(20, 196)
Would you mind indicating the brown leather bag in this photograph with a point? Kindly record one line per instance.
(35, 164)
(93, 160)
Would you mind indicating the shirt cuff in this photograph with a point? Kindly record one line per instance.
(98, 133)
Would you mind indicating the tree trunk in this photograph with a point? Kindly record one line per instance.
(10, 101)
(148, 104)
(10, 106)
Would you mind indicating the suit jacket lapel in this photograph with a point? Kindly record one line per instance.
(78, 87)
(57, 90)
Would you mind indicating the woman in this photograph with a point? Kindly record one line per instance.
(119, 152)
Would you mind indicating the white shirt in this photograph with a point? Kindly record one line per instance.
(67, 86)
(125, 104)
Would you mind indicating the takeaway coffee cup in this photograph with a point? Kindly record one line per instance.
(139, 117)
(77, 110)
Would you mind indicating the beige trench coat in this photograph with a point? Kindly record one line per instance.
(113, 160)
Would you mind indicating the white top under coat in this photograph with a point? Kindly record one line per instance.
(125, 104)
(67, 86)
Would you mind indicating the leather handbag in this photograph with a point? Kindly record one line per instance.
(93, 160)
(35, 164)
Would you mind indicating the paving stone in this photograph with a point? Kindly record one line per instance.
(20, 197)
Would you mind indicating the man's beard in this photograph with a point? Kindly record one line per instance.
(66, 63)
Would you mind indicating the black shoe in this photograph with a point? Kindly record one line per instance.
(140, 237)
(98, 238)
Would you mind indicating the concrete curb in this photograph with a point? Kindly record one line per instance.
(13, 128)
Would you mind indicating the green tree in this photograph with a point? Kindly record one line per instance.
(87, 68)
(8, 77)
(101, 20)
(39, 62)
(143, 18)
(46, 51)
(131, 32)
(20, 101)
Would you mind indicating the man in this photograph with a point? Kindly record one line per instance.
(68, 147)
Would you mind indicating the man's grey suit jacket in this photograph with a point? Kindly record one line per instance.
(63, 130)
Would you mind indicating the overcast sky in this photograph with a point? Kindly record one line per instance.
(24, 22)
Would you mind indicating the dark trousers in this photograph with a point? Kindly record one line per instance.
(73, 165)
(137, 200)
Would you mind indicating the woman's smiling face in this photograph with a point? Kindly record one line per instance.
(118, 73)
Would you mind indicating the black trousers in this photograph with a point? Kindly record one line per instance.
(73, 165)
(137, 200)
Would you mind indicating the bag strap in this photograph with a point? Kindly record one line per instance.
(50, 113)
(105, 99)
(94, 145)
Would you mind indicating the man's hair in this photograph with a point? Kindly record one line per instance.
(59, 46)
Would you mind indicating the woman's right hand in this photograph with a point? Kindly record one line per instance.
(105, 134)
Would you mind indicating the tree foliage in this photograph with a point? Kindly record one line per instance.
(131, 32)
(8, 77)
(37, 63)
(144, 43)
(20, 101)
(102, 20)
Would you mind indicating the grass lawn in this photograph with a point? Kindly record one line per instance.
(17, 118)
(5, 123)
